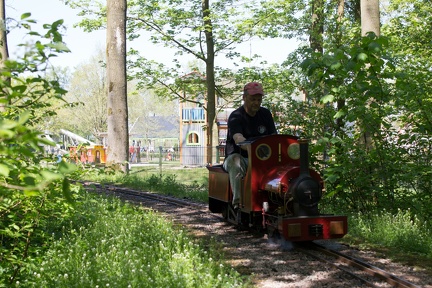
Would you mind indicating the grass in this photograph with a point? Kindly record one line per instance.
(400, 236)
(121, 245)
(188, 183)
(184, 175)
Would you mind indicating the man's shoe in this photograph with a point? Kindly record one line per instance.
(236, 207)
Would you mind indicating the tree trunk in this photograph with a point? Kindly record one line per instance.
(317, 29)
(4, 53)
(340, 102)
(118, 136)
(370, 16)
(210, 79)
(370, 22)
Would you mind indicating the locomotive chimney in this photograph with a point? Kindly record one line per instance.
(304, 156)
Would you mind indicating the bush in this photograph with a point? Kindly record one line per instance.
(33, 187)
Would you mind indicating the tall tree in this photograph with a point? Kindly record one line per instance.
(370, 23)
(210, 77)
(86, 112)
(317, 27)
(4, 53)
(202, 29)
(118, 138)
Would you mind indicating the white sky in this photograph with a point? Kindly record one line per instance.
(84, 45)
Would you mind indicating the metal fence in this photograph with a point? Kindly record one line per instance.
(189, 156)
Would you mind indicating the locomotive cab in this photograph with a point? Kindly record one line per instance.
(279, 191)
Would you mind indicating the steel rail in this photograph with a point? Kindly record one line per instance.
(366, 267)
(363, 280)
(148, 195)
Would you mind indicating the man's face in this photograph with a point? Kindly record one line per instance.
(252, 103)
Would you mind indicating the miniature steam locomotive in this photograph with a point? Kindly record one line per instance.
(280, 193)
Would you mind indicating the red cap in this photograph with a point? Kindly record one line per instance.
(254, 88)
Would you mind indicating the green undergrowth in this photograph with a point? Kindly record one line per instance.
(114, 244)
(401, 236)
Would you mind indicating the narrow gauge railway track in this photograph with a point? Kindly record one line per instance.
(366, 273)
(369, 275)
(136, 195)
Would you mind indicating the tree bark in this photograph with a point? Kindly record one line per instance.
(340, 102)
(118, 136)
(370, 16)
(317, 29)
(370, 22)
(210, 79)
(4, 53)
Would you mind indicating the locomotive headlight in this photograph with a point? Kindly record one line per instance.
(294, 151)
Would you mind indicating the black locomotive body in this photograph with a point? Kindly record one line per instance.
(279, 193)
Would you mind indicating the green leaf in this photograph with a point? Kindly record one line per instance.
(59, 46)
(24, 117)
(31, 193)
(335, 66)
(66, 168)
(362, 56)
(7, 124)
(57, 23)
(29, 180)
(50, 176)
(25, 15)
(20, 88)
(66, 190)
(4, 170)
(47, 142)
(6, 134)
(327, 98)
(339, 114)
(332, 178)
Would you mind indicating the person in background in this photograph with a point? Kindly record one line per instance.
(131, 153)
(250, 120)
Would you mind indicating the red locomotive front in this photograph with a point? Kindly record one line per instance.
(280, 192)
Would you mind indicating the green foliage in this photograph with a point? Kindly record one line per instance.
(33, 186)
(355, 112)
(119, 245)
(403, 231)
(180, 25)
(86, 111)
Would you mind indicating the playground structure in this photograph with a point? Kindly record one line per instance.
(88, 154)
(81, 149)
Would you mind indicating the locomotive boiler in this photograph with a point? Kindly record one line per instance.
(280, 193)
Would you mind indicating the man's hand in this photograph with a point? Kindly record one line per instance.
(238, 137)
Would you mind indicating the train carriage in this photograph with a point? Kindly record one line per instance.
(280, 193)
